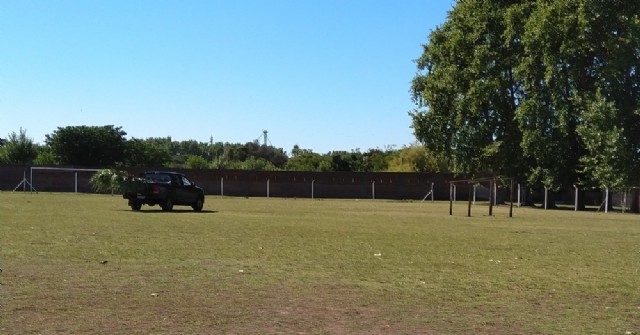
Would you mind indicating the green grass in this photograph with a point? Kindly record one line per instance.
(285, 266)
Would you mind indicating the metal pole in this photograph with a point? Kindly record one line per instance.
(31, 178)
(491, 186)
(432, 198)
(511, 199)
(222, 186)
(450, 198)
(606, 200)
(546, 194)
(267, 187)
(475, 186)
(76, 182)
(575, 205)
(455, 193)
(469, 197)
(373, 190)
(518, 195)
(495, 192)
(312, 186)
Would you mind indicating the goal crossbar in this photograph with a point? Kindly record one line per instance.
(59, 169)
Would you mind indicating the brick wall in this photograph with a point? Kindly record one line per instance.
(284, 184)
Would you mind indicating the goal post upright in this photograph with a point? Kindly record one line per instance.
(492, 194)
(24, 182)
(492, 183)
(432, 195)
(450, 198)
(469, 197)
(511, 198)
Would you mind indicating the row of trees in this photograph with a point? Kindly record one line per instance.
(543, 90)
(107, 146)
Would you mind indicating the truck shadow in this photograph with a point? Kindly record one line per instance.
(176, 211)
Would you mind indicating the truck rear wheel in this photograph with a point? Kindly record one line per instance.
(167, 205)
(136, 206)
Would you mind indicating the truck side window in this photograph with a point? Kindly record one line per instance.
(185, 181)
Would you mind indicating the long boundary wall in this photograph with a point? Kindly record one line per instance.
(284, 184)
(292, 184)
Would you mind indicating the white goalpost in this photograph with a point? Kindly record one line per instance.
(37, 168)
(24, 182)
(429, 194)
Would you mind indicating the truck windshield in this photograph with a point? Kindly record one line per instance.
(158, 178)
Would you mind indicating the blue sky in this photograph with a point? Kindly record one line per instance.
(324, 74)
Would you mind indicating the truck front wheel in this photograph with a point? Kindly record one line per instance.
(198, 205)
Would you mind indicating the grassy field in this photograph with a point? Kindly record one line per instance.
(86, 264)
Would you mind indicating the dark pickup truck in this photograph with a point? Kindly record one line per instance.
(165, 189)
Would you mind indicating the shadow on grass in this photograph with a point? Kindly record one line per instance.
(160, 211)
(571, 207)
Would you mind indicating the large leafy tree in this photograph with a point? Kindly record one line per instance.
(253, 154)
(610, 119)
(18, 149)
(268, 153)
(467, 93)
(416, 158)
(344, 161)
(611, 155)
(88, 145)
(45, 157)
(580, 74)
(307, 160)
(149, 153)
(376, 160)
(546, 87)
(197, 162)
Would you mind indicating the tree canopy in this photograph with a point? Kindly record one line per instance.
(106, 146)
(88, 145)
(544, 90)
(18, 149)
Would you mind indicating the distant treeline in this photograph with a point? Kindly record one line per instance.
(107, 146)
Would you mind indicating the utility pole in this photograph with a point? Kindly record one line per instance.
(211, 148)
(265, 137)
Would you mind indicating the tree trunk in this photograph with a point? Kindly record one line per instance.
(582, 201)
(527, 198)
(551, 200)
